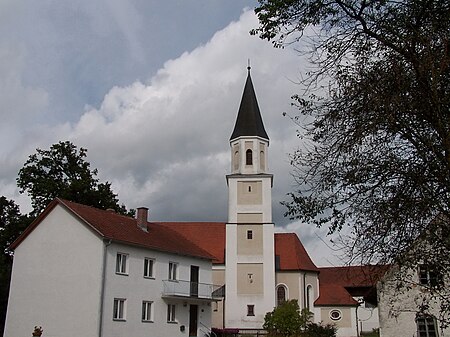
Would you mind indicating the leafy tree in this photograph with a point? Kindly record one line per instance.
(12, 223)
(63, 172)
(376, 156)
(286, 320)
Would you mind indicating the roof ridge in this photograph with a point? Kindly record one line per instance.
(64, 201)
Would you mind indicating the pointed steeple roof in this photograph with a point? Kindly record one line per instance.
(249, 121)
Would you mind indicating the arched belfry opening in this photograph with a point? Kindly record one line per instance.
(249, 157)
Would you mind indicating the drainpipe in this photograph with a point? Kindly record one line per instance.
(357, 323)
(102, 290)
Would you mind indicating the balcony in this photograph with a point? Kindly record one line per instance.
(191, 290)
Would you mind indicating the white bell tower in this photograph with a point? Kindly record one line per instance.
(250, 258)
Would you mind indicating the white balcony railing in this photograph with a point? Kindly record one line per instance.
(189, 289)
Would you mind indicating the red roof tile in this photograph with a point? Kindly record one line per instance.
(208, 235)
(120, 228)
(331, 294)
(292, 254)
(202, 239)
(336, 283)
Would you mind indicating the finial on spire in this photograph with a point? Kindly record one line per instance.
(248, 65)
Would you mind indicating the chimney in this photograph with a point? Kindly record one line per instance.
(142, 215)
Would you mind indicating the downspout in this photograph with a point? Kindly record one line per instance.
(102, 290)
(357, 323)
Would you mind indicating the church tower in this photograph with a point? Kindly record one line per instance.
(250, 265)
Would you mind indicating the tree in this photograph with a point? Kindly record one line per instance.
(376, 156)
(63, 172)
(12, 223)
(286, 320)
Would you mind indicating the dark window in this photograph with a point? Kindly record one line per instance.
(427, 276)
(250, 310)
(249, 235)
(335, 315)
(248, 157)
(281, 295)
(426, 326)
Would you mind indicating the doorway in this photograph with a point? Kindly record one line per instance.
(194, 281)
(193, 318)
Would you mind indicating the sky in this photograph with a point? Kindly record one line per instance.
(151, 89)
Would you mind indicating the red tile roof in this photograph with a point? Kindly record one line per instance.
(201, 239)
(211, 237)
(120, 228)
(292, 253)
(332, 295)
(208, 235)
(337, 283)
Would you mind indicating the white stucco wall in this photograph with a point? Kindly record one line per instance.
(135, 289)
(56, 280)
(398, 307)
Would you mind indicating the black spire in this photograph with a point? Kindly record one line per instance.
(249, 121)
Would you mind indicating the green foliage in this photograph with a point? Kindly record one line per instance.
(373, 333)
(376, 156)
(62, 171)
(286, 319)
(320, 330)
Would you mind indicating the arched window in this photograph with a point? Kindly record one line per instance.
(281, 294)
(236, 160)
(309, 298)
(248, 157)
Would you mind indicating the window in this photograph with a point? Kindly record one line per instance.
(250, 278)
(249, 235)
(248, 157)
(119, 309)
(173, 271)
(121, 263)
(427, 276)
(335, 315)
(281, 295)
(148, 267)
(147, 312)
(171, 313)
(250, 310)
(309, 291)
(426, 326)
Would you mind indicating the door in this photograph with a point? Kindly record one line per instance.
(194, 281)
(193, 314)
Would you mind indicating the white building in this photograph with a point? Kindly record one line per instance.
(80, 271)
(409, 306)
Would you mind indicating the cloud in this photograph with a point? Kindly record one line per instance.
(163, 142)
(168, 137)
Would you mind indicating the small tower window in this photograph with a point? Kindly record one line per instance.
(249, 235)
(248, 157)
(250, 310)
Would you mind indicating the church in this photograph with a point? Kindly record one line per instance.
(81, 271)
